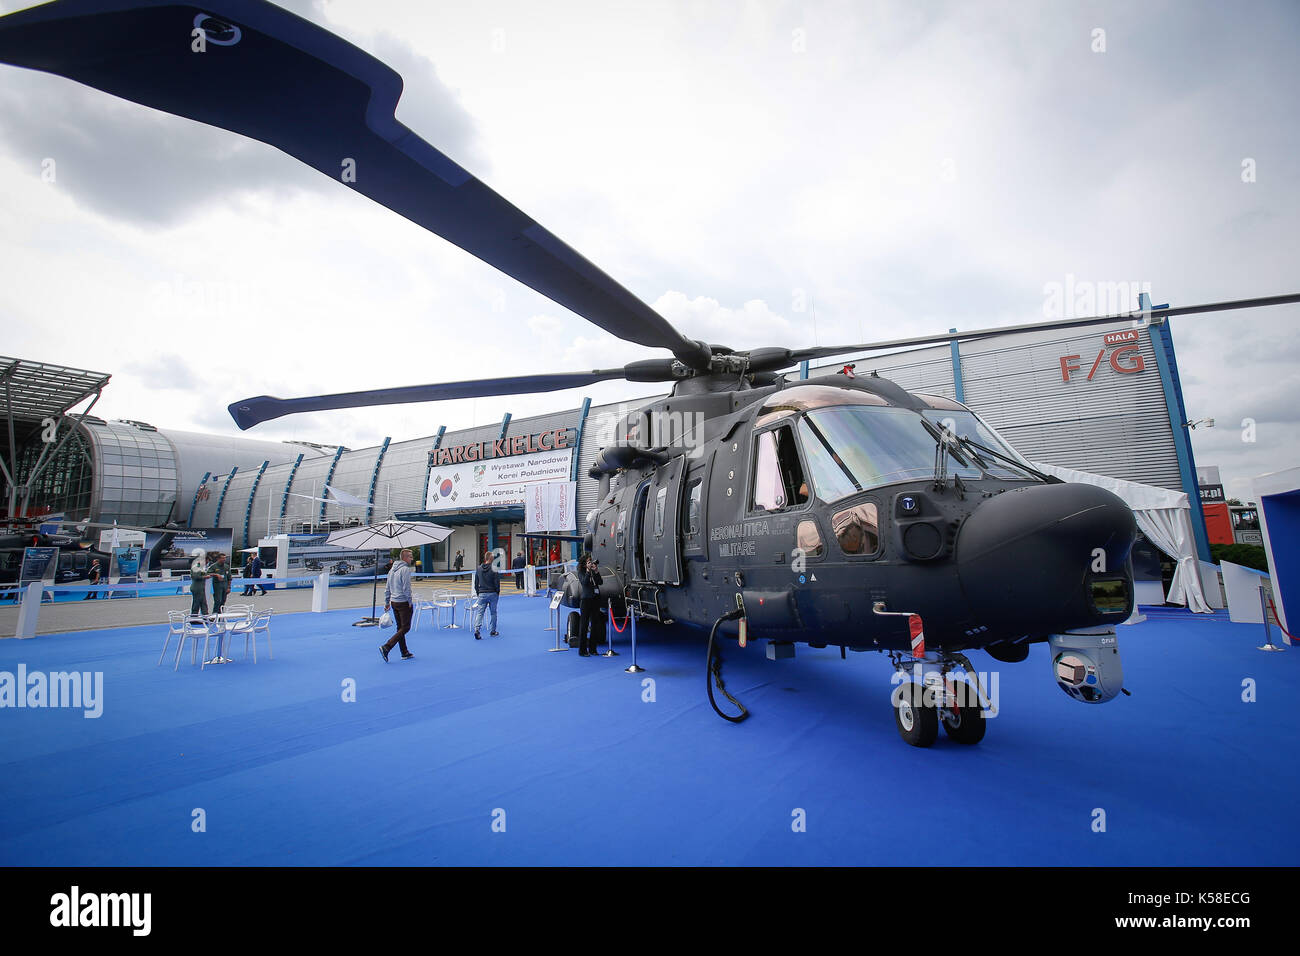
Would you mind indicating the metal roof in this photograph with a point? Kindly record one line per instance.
(37, 390)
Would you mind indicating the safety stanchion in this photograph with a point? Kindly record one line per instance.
(1268, 632)
(633, 668)
(609, 637)
(552, 615)
(556, 612)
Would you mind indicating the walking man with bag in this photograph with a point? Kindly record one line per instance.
(397, 598)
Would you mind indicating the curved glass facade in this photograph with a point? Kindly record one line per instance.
(137, 473)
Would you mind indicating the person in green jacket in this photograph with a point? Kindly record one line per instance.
(198, 584)
(220, 583)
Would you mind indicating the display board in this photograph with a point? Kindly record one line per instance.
(496, 482)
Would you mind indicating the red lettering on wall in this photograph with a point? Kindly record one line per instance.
(1116, 338)
(1093, 371)
(1137, 364)
(1067, 367)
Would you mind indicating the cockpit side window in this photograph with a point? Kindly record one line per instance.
(779, 480)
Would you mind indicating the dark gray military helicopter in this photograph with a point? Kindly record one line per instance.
(841, 510)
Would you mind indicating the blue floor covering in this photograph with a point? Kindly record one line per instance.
(565, 753)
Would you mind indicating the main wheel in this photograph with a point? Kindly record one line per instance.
(571, 630)
(917, 723)
(965, 724)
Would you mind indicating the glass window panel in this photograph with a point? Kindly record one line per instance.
(768, 495)
(808, 538)
(857, 529)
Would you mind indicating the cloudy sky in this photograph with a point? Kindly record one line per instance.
(761, 173)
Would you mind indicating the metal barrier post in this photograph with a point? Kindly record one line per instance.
(633, 668)
(556, 598)
(609, 633)
(1268, 632)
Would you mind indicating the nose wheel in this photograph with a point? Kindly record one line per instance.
(917, 722)
(964, 724)
(929, 696)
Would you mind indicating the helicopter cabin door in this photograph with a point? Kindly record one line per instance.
(660, 526)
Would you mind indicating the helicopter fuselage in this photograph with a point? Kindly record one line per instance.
(747, 509)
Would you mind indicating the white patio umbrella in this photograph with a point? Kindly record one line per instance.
(386, 535)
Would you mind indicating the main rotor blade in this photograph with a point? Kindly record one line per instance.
(280, 79)
(261, 408)
(803, 355)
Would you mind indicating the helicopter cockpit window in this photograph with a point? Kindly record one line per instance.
(853, 448)
(978, 439)
(857, 529)
(778, 475)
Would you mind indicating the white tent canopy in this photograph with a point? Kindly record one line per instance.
(1164, 517)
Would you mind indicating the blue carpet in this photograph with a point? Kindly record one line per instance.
(581, 770)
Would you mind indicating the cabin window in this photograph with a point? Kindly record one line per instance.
(857, 529)
(808, 538)
(618, 529)
(694, 502)
(778, 474)
(661, 502)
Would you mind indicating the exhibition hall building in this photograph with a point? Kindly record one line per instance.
(1103, 401)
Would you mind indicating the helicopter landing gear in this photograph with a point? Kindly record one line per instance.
(929, 695)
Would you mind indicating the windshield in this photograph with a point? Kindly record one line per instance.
(852, 448)
(966, 426)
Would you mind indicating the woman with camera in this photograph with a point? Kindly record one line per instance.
(589, 605)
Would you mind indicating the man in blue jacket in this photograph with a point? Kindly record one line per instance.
(487, 585)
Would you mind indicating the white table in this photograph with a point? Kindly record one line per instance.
(228, 621)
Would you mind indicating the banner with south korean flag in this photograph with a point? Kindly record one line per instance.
(497, 482)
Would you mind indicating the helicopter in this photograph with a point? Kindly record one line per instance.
(840, 510)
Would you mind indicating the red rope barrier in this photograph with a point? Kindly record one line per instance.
(617, 629)
(1278, 618)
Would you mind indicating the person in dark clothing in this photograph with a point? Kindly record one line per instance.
(93, 576)
(589, 605)
(487, 587)
(255, 571)
(518, 564)
(459, 563)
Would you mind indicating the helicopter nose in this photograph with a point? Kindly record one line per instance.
(1048, 558)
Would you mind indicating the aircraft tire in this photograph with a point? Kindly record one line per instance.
(917, 722)
(968, 727)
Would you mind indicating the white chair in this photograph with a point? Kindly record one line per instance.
(422, 601)
(175, 628)
(194, 628)
(445, 601)
(260, 625)
(246, 609)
